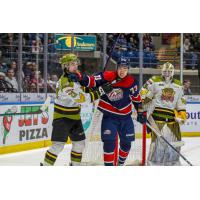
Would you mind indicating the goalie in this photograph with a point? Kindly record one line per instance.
(67, 121)
(164, 100)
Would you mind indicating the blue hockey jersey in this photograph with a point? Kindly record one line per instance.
(119, 101)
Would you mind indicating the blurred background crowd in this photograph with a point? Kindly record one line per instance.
(157, 49)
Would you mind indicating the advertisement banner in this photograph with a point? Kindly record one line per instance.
(9, 97)
(193, 118)
(81, 42)
(26, 128)
(192, 98)
(28, 97)
(52, 96)
(18, 129)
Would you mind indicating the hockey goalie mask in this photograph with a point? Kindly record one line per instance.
(69, 60)
(167, 71)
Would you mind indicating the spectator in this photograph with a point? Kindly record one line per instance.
(186, 87)
(51, 46)
(27, 69)
(34, 67)
(11, 79)
(54, 78)
(13, 65)
(186, 45)
(32, 88)
(3, 67)
(3, 87)
(40, 81)
(26, 83)
(51, 83)
(2, 76)
(37, 46)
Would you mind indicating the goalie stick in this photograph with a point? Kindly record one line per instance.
(42, 109)
(152, 125)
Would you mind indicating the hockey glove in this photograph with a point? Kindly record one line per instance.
(105, 89)
(180, 116)
(75, 77)
(142, 117)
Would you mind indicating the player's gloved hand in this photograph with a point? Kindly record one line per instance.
(180, 116)
(75, 77)
(142, 117)
(105, 89)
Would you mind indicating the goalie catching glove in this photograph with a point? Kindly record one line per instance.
(180, 116)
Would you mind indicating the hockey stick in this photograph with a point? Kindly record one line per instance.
(155, 129)
(111, 51)
(42, 109)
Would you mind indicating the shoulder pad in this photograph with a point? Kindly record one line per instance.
(156, 78)
(109, 75)
(177, 82)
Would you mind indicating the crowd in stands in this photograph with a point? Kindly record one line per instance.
(33, 47)
(128, 46)
(32, 72)
(191, 47)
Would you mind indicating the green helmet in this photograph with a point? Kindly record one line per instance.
(67, 59)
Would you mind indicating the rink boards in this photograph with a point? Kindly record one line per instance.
(30, 131)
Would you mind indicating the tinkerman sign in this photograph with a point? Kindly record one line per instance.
(81, 42)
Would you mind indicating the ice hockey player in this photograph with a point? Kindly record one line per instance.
(164, 96)
(117, 109)
(67, 121)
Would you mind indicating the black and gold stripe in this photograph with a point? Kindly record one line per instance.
(86, 89)
(76, 157)
(163, 115)
(183, 110)
(50, 158)
(66, 110)
(94, 95)
(165, 110)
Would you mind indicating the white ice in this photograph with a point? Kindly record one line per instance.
(191, 150)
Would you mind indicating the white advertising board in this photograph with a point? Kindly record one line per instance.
(19, 129)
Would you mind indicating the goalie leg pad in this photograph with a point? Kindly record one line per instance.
(76, 152)
(160, 153)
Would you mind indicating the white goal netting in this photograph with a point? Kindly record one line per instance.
(93, 153)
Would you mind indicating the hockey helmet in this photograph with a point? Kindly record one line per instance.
(67, 59)
(167, 71)
(123, 62)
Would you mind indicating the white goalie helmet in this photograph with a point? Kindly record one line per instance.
(167, 71)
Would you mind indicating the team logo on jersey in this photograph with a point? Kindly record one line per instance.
(115, 95)
(168, 94)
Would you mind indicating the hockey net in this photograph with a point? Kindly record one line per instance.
(93, 153)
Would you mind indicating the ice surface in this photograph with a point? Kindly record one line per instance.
(191, 150)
